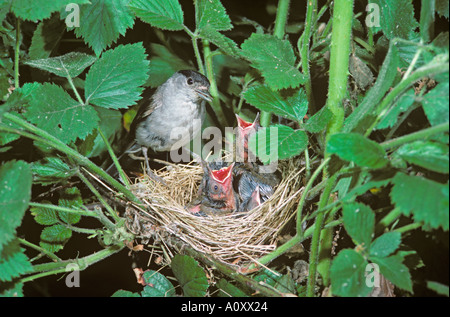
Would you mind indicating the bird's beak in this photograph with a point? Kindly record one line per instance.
(203, 93)
(247, 126)
(223, 174)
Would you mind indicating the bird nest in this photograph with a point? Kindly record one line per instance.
(231, 238)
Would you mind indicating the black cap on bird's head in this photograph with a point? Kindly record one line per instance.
(199, 83)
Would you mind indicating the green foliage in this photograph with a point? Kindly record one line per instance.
(191, 276)
(384, 150)
(109, 19)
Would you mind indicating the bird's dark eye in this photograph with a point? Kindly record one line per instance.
(216, 188)
(190, 81)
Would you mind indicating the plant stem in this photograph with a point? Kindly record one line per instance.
(47, 138)
(16, 55)
(339, 60)
(72, 85)
(194, 39)
(419, 135)
(315, 242)
(213, 84)
(39, 249)
(81, 263)
(111, 211)
(311, 8)
(80, 212)
(424, 71)
(122, 174)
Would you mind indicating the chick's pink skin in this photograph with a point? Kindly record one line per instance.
(221, 186)
(245, 129)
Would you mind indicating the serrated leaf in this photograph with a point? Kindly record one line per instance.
(157, 285)
(190, 275)
(211, 13)
(166, 15)
(278, 142)
(53, 110)
(359, 222)
(33, 10)
(102, 22)
(53, 238)
(347, 274)
(442, 8)
(45, 216)
(318, 121)
(397, 18)
(426, 200)
(293, 107)
(356, 148)
(395, 271)
(435, 104)
(70, 199)
(51, 170)
(430, 155)
(385, 244)
(275, 59)
(13, 262)
(224, 43)
(115, 80)
(71, 64)
(15, 194)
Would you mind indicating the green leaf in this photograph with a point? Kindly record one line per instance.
(275, 59)
(293, 107)
(53, 238)
(384, 82)
(15, 194)
(45, 216)
(124, 293)
(71, 64)
(226, 289)
(166, 15)
(190, 275)
(46, 37)
(115, 80)
(359, 222)
(33, 10)
(426, 154)
(14, 289)
(278, 142)
(347, 274)
(157, 285)
(403, 104)
(442, 8)
(426, 200)
(13, 262)
(356, 148)
(435, 104)
(53, 110)
(385, 244)
(51, 170)
(395, 271)
(211, 13)
(224, 43)
(318, 121)
(102, 22)
(439, 288)
(71, 198)
(397, 18)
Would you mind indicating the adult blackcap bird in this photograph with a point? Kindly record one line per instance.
(173, 116)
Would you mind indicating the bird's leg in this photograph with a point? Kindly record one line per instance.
(149, 171)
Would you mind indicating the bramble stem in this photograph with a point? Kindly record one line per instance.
(16, 55)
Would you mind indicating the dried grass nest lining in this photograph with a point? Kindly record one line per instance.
(226, 237)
